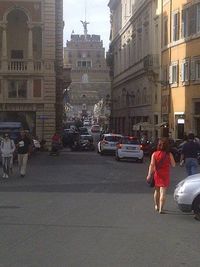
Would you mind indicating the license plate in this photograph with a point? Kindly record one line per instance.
(131, 148)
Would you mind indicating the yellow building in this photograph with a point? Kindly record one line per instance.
(181, 66)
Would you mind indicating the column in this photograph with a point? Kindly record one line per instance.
(4, 64)
(4, 42)
(30, 49)
(30, 42)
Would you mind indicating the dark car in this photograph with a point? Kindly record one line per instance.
(67, 137)
(83, 131)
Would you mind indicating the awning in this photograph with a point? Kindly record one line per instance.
(162, 124)
(143, 126)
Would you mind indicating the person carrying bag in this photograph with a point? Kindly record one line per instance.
(7, 150)
(161, 160)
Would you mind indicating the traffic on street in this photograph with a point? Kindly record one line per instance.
(96, 207)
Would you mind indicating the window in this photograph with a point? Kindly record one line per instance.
(165, 75)
(185, 71)
(191, 20)
(165, 31)
(176, 26)
(85, 78)
(184, 29)
(197, 108)
(198, 18)
(173, 74)
(84, 64)
(37, 85)
(192, 27)
(17, 89)
(17, 54)
(197, 68)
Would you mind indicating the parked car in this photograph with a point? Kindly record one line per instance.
(187, 194)
(108, 143)
(95, 129)
(129, 148)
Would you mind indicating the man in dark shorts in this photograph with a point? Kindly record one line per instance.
(23, 149)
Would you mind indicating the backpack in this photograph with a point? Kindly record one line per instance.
(11, 144)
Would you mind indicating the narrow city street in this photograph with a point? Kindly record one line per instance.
(80, 209)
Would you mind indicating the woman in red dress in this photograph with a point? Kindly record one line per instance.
(161, 161)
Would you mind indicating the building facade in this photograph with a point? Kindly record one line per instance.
(85, 55)
(181, 66)
(135, 56)
(31, 69)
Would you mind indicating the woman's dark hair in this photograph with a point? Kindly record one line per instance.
(6, 135)
(163, 144)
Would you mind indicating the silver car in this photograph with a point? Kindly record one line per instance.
(187, 194)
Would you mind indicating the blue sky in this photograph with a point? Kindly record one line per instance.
(97, 14)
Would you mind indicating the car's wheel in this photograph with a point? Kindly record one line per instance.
(196, 207)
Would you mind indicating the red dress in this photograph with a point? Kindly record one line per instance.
(162, 175)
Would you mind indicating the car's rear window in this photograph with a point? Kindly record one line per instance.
(95, 127)
(129, 141)
(112, 138)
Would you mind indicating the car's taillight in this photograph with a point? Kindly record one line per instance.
(141, 147)
(104, 142)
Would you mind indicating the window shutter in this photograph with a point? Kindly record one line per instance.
(170, 74)
(182, 72)
(192, 70)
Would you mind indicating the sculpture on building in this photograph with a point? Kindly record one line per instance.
(85, 23)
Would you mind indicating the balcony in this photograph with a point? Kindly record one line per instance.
(20, 66)
(151, 63)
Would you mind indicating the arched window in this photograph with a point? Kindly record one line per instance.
(17, 34)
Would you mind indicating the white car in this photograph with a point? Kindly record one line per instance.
(187, 194)
(108, 142)
(86, 123)
(129, 148)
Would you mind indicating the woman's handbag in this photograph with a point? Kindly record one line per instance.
(151, 181)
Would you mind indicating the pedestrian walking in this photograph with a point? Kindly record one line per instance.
(189, 155)
(23, 150)
(161, 160)
(7, 150)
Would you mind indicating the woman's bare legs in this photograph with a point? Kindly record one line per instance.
(163, 191)
(157, 198)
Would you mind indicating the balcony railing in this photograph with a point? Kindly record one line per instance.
(21, 66)
(16, 65)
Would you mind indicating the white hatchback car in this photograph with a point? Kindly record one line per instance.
(187, 194)
(129, 148)
(108, 142)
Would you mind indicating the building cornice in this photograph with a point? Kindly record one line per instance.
(113, 4)
(131, 20)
